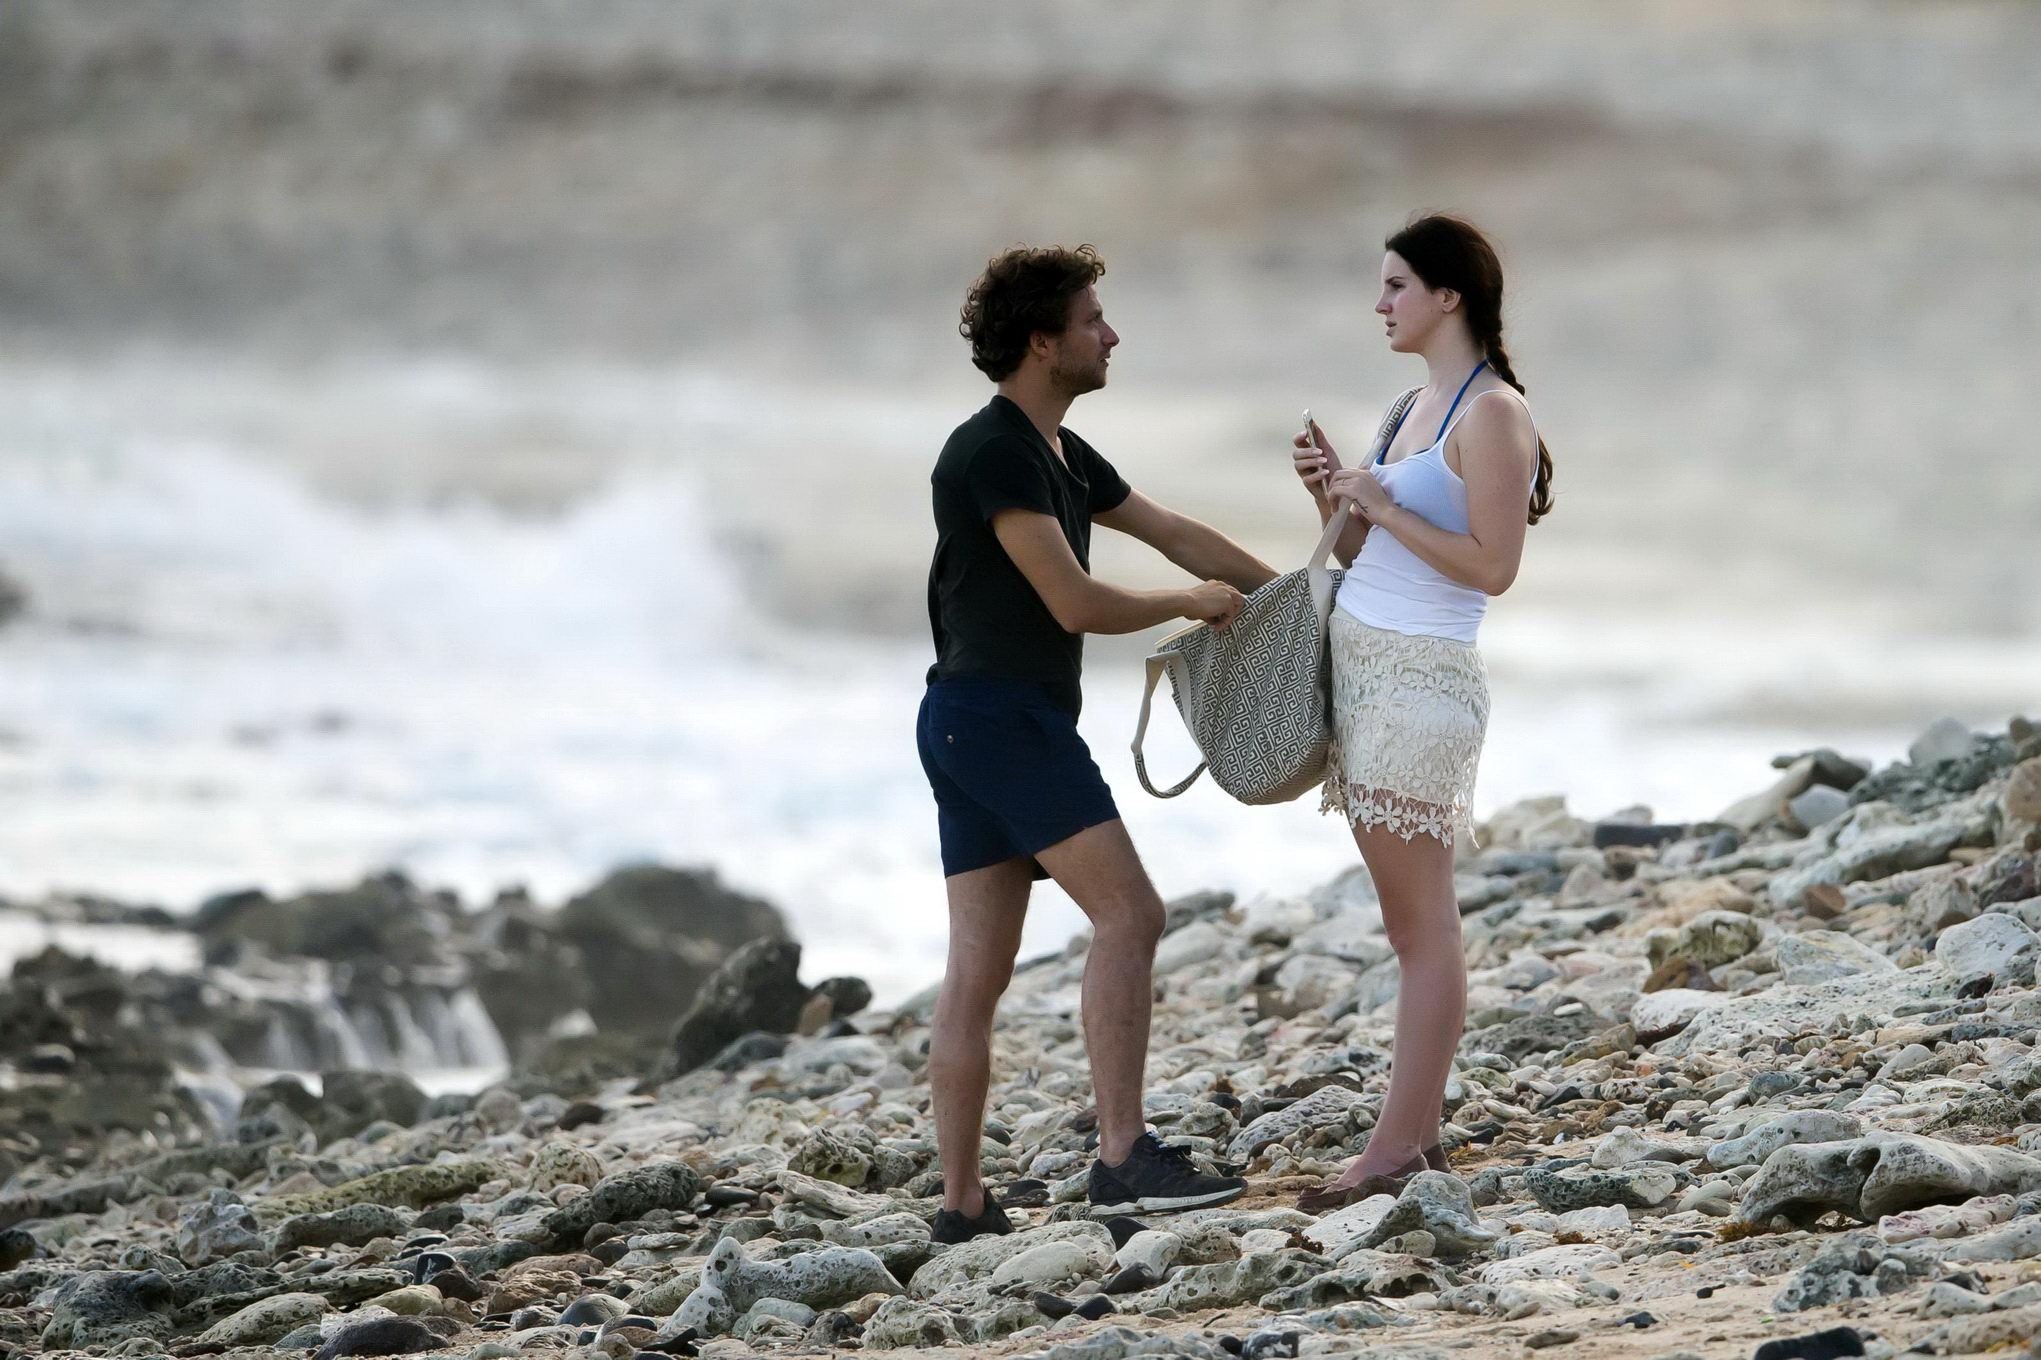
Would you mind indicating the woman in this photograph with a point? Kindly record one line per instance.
(1436, 527)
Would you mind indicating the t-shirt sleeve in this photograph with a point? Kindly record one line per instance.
(1108, 487)
(1004, 474)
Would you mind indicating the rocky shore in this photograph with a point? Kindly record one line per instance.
(1766, 1085)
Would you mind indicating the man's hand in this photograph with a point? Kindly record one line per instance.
(1314, 465)
(1214, 602)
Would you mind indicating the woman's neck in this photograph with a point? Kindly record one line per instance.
(1450, 358)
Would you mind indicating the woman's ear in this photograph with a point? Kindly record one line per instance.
(1448, 299)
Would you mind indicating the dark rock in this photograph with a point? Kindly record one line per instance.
(847, 995)
(570, 1064)
(1025, 1193)
(623, 1197)
(1129, 1280)
(2009, 876)
(1052, 1306)
(383, 918)
(579, 1113)
(49, 1059)
(1520, 1038)
(757, 988)
(216, 1228)
(455, 1283)
(1646, 834)
(1827, 1345)
(482, 1262)
(352, 1100)
(442, 1217)
(286, 1092)
(13, 599)
(379, 1336)
(1123, 1227)
(833, 1329)
(427, 1264)
(1916, 789)
(108, 1307)
(591, 1310)
(650, 938)
(1198, 906)
(1272, 1343)
(16, 1245)
(1830, 767)
(742, 1052)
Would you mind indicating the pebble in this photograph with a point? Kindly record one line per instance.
(1834, 1087)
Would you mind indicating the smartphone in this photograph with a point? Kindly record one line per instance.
(1309, 440)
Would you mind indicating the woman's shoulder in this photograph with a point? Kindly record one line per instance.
(1510, 414)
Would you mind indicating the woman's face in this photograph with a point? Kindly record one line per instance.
(1410, 311)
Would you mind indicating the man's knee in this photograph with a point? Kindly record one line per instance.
(973, 985)
(1132, 920)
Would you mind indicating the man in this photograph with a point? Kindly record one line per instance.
(1018, 796)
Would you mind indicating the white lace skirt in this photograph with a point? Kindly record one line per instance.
(1408, 717)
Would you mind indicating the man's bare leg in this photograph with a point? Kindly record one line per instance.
(1103, 875)
(987, 907)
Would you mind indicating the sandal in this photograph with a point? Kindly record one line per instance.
(1325, 1198)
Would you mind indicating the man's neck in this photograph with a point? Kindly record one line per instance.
(1042, 402)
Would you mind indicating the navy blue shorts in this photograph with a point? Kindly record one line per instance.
(1011, 776)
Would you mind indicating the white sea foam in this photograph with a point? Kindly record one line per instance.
(229, 679)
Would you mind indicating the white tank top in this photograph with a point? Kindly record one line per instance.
(1391, 587)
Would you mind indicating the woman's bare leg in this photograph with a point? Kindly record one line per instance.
(1421, 916)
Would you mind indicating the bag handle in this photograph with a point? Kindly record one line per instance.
(1390, 424)
(1159, 662)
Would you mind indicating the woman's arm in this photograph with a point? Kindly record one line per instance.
(1348, 545)
(1498, 461)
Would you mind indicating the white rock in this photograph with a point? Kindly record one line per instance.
(1551, 1263)
(1153, 1248)
(1824, 955)
(1945, 739)
(1673, 1009)
(1263, 1239)
(1053, 1265)
(1601, 1218)
(1198, 942)
(1994, 943)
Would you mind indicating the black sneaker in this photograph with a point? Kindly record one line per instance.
(1157, 1177)
(953, 1226)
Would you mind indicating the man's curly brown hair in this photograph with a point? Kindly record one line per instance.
(1023, 291)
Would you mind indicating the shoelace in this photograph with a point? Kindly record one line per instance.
(1174, 1153)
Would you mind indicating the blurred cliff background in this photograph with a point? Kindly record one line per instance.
(490, 440)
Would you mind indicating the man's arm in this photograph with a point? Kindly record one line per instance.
(1198, 548)
(1080, 602)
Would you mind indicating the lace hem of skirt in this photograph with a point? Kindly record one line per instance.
(1364, 805)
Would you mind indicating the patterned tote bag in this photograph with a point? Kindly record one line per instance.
(1257, 697)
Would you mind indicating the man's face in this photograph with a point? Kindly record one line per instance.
(1078, 357)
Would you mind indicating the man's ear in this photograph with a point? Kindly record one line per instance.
(1040, 343)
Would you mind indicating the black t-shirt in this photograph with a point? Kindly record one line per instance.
(987, 619)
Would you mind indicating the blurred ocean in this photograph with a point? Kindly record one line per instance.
(497, 445)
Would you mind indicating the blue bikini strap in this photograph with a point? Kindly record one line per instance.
(1384, 454)
(1456, 400)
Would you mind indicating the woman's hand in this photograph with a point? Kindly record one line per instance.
(1314, 465)
(1359, 486)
